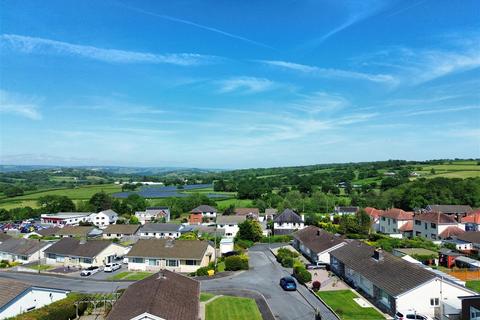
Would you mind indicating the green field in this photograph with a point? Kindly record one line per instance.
(238, 203)
(341, 301)
(473, 285)
(232, 308)
(455, 169)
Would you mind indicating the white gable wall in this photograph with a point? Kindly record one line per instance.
(31, 299)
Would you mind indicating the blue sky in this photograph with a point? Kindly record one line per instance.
(236, 84)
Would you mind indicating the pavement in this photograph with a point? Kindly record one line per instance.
(264, 276)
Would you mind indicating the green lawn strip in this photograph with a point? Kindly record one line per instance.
(233, 308)
(42, 267)
(473, 285)
(341, 301)
(205, 296)
(137, 276)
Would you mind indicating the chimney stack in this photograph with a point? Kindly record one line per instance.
(318, 232)
(378, 254)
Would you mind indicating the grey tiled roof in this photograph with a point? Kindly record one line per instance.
(74, 248)
(22, 246)
(163, 248)
(160, 227)
(288, 216)
(316, 239)
(392, 274)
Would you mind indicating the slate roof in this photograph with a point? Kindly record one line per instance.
(22, 246)
(75, 231)
(48, 231)
(72, 247)
(110, 213)
(164, 248)
(10, 289)
(271, 211)
(436, 217)
(160, 227)
(451, 232)
(316, 239)
(246, 211)
(470, 236)
(398, 214)
(392, 274)
(450, 208)
(288, 216)
(166, 295)
(121, 229)
(230, 219)
(203, 208)
(4, 236)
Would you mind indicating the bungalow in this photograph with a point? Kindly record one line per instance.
(316, 244)
(466, 262)
(252, 213)
(22, 250)
(202, 213)
(230, 224)
(160, 230)
(65, 218)
(153, 213)
(104, 218)
(472, 221)
(18, 297)
(71, 252)
(183, 256)
(436, 226)
(78, 232)
(164, 295)
(396, 223)
(457, 210)
(118, 231)
(393, 284)
(287, 222)
(471, 237)
(375, 215)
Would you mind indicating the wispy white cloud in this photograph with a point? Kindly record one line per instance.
(356, 11)
(20, 105)
(442, 110)
(197, 25)
(246, 85)
(116, 106)
(330, 73)
(320, 102)
(26, 44)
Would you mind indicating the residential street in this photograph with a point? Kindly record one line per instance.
(69, 283)
(264, 276)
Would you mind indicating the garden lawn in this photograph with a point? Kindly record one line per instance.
(205, 296)
(42, 267)
(341, 301)
(473, 285)
(129, 275)
(233, 308)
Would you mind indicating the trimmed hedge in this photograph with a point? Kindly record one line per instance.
(286, 257)
(234, 263)
(60, 310)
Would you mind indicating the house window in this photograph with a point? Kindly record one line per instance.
(434, 237)
(433, 225)
(109, 234)
(152, 262)
(172, 263)
(191, 262)
(434, 302)
(426, 226)
(475, 313)
(87, 260)
(136, 260)
(418, 222)
(383, 218)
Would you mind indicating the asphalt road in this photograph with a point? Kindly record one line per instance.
(264, 277)
(85, 285)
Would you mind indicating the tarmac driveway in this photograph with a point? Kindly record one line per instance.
(264, 276)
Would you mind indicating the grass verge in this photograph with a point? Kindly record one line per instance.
(233, 308)
(341, 301)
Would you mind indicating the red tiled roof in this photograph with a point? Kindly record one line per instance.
(451, 231)
(436, 217)
(407, 226)
(373, 212)
(473, 217)
(398, 214)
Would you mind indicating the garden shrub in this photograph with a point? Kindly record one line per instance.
(203, 271)
(316, 285)
(235, 263)
(303, 276)
(60, 310)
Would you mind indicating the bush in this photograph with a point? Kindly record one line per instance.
(278, 238)
(286, 257)
(245, 244)
(303, 276)
(60, 310)
(235, 263)
(203, 271)
(287, 262)
(316, 285)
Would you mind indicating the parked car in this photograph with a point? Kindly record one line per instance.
(111, 267)
(89, 271)
(411, 315)
(288, 284)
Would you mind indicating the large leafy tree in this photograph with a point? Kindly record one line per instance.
(101, 201)
(55, 203)
(250, 230)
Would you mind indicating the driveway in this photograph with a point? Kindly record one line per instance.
(264, 276)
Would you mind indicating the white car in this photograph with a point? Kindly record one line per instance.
(111, 267)
(89, 271)
(411, 315)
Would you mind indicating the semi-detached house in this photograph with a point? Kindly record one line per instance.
(160, 230)
(436, 226)
(22, 250)
(316, 244)
(396, 223)
(183, 256)
(393, 284)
